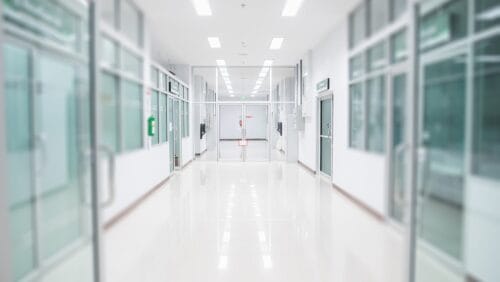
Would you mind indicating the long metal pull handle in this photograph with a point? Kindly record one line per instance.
(111, 176)
(40, 142)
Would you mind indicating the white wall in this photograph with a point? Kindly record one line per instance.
(229, 122)
(359, 173)
(138, 172)
(307, 137)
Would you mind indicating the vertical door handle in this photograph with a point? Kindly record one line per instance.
(40, 142)
(111, 176)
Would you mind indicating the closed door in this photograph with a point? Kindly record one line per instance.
(171, 133)
(48, 163)
(398, 148)
(47, 112)
(441, 157)
(256, 133)
(231, 132)
(326, 136)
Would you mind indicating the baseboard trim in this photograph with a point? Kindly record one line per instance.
(375, 214)
(188, 163)
(306, 167)
(117, 218)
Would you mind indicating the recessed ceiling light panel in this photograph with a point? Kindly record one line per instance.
(202, 7)
(214, 42)
(291, 8)
(276, 43)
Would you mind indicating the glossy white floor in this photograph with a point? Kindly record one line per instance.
(251, 222)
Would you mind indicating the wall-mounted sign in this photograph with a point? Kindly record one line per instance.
(174, 87)
(323, 85)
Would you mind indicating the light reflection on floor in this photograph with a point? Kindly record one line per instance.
(251, 222)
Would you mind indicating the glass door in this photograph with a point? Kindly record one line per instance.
(231, 132)
(326, 136)
(441, 162)
(48, 136)
(255, 128)
(171, 133)
(177, 133)
(398, 192)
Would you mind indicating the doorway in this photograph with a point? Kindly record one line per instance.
(325, 135)
(51, 199)
(243, 132)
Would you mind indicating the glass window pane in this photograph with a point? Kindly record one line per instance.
(375, 93)
(50, 21)
(165, 82)
(154, 113)
(186, 113)
(397, 8)
(108, 14)
(397, 206)
(154, 77)
(377, 57)
(443, 24)
(357, 119)
(441, 163)
(131, 64)
(18, 123)
(109, 56)
(132, 115)
(357, 26)
(131, 22)
(487, 108)
(356, 66)
(109, 111)
(486, 14)
(163, 118)
(378, 15)
(398, 47)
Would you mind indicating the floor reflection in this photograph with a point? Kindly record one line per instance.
(251, 222)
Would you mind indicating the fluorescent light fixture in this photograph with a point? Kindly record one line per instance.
(291, 8)
(221, 62)
(214, 42)
(268, 63)
(222, 262)
(202, 7)
(276, 43)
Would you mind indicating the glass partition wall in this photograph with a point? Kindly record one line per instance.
(424, 94)
(243, 113)
(50, 186)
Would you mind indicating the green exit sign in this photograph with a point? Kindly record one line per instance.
(323, 85)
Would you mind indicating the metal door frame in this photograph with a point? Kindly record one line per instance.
(244, 106)
(401, 69)
(96, 224)
(328, 96)
(5, 252)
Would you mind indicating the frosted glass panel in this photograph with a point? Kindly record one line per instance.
(56, 141)
(109, 111)
(132, 115)
(154, 113)
(19, 150)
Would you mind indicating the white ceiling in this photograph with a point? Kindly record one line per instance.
(179, 36)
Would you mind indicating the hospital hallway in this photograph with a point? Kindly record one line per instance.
(254, 221)
(249, 140)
